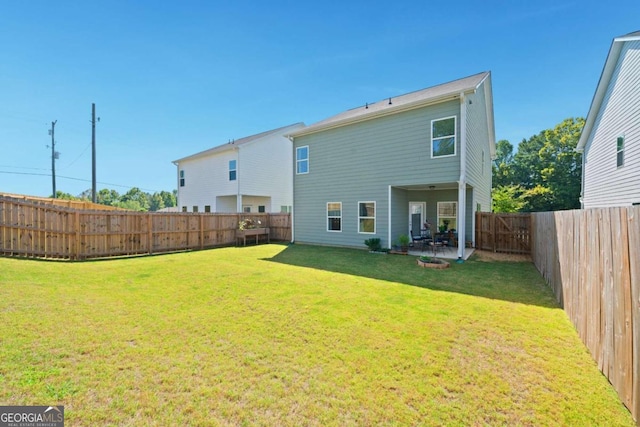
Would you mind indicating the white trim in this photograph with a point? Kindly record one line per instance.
(389, 220)
(375, 225)
(461, 226)
(423, 216)
(620, 151)
(300, 161)
(235, 169)
(455, 136)
(327, 218)
(447, 216)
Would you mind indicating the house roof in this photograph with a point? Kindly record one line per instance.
(431, 95)
(242, 141)
(603, 84)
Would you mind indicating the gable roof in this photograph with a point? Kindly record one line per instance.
(603, 84)
(242, 141)
(431, 95)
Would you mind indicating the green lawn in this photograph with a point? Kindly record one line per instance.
(298, 335)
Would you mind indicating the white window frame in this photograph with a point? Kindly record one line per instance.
(181, 178)
(234, 169)
(455, 136)
(333, 216)
(367, 217)
(620, 151)
(299, 161)
(455, 216)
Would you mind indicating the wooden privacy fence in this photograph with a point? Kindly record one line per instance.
(500, 232)
(591, 260)
(75, 204)
(36, 230)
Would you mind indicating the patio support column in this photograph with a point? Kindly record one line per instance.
(389, 220)
(462, 182)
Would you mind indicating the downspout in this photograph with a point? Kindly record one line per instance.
(389, 221)
(293, 185)
(462, 182)
(177, 184)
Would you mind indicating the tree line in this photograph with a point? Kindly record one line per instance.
(134, 199)
(543, 175)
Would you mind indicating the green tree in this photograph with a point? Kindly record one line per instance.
(107, 197)
(507, 198)
(169, 198)
(64, 196)
(549, 169)
(134, 199)
(156, 202)
(502, 167)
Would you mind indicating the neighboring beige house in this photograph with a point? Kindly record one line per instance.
(610, 140)
(252, 174)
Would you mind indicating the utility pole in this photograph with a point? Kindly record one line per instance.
(93, 153)
(53, 156)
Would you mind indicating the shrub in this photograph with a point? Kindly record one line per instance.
(373, 244)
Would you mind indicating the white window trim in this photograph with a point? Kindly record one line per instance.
(375, 211)
(327, 217)
(235, 169)
(455, 136)
(438, 213)
(304, 160)
(620, 151)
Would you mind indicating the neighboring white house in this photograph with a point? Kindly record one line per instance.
(610, 140)
(252, 174)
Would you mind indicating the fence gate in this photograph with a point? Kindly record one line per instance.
(500, 232)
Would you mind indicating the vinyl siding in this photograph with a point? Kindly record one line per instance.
(264, 176)
(478, 171)
(604, 183)
(206, 178)
(358, 162)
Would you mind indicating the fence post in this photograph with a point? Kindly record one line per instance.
(201, 231)
(77, 225)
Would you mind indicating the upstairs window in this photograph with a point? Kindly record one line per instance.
(620, 151)
(302, 160)
(182, 178)
(443, 137)
(334, 216)
(232, 170)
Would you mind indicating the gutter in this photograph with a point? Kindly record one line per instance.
(462, 182)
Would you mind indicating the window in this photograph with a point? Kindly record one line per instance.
(184, 209)
(246, 209)
(443, 137)
(195, 209)
(334, 216)
(261, 209)
(182, 178)
(620, 151)
(367, 217)
(447, 216)
(302, 160)
(285, 209)
(232, 170)
(207, 208)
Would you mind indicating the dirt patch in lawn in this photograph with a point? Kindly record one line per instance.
(488, 256)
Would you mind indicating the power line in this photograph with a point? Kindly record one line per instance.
(79, 179)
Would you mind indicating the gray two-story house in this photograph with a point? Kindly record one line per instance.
(387, 168)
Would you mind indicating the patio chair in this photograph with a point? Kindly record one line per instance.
(417, 240)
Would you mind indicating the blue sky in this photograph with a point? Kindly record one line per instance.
(170, 79)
